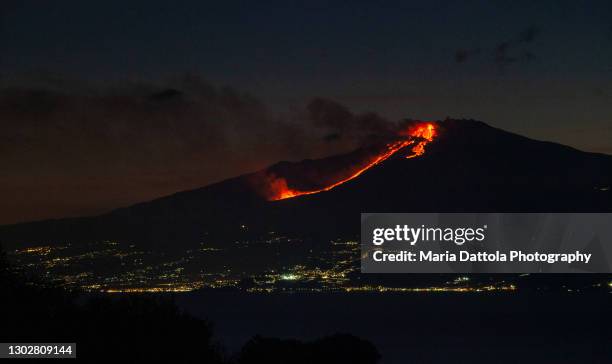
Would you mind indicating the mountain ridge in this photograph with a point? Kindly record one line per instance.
(470, 167)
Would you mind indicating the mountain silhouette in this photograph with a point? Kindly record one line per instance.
(469, 167)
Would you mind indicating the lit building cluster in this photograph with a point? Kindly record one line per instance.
(487, 288)
(274, 263)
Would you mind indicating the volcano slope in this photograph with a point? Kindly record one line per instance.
(468, 167)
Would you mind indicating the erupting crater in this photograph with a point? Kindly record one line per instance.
(417, 136)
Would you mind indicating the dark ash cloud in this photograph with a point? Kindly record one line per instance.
(343, 124)
(72, 148)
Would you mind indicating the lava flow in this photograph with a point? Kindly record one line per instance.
(420, 134)
(426, 133)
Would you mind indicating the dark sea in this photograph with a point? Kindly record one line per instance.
(423, 327)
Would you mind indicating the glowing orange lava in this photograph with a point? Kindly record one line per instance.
(420, 134)
(426, 133)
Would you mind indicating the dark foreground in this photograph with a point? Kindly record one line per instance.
(235, 327)
(425, 328)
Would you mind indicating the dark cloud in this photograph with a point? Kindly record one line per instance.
(343, 124)
(462, 55)
(501, 56)
(186, 116)
(528, 35)
(141, 124)
(91, 148)
(506, 52)
(513, 51)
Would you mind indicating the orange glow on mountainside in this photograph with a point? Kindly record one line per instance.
(420, 134)
(426, 133)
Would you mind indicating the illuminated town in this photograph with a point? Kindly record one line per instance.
(274, 263)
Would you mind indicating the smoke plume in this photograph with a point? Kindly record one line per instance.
(74, 148)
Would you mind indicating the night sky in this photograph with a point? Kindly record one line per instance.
(103, 104)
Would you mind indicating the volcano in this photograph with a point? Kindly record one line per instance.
(444, 166)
